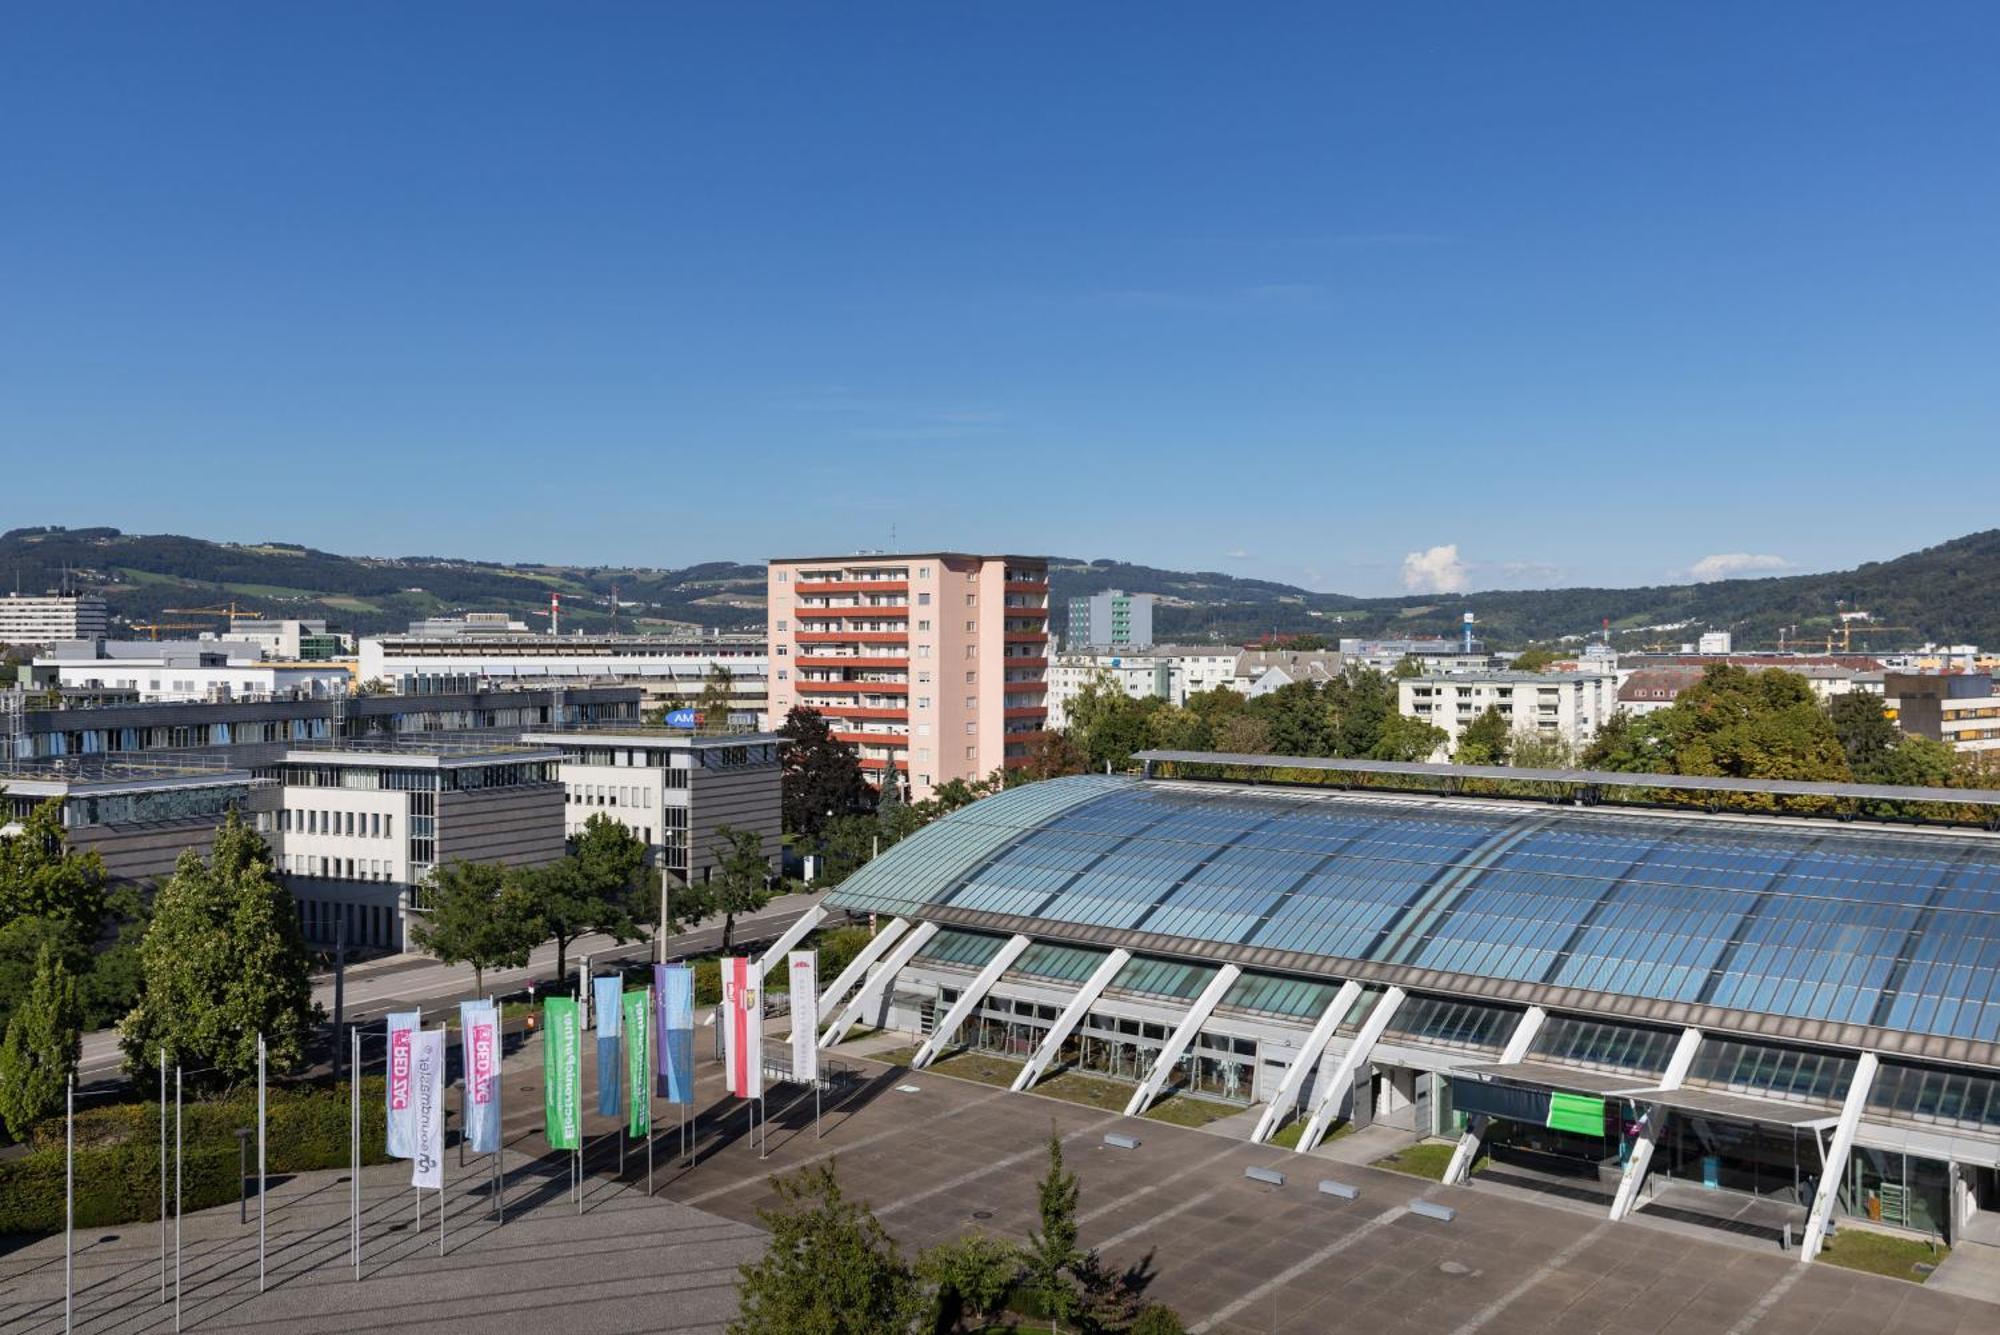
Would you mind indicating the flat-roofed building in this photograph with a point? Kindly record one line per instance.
(934, 665)
(1567, 705)
(359, 828)
(51, 619)
(138, 813)
(674, 790)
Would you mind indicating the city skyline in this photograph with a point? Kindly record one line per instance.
(1363, 303)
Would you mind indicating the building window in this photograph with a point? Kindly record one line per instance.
(971, 729)
(971, 626)
(781, 624)
(972, 753)
(923, 625)
(923, 651)
(923, 600)
(923, 702)
(971, 677)
(971, 703)
(971, 650)
(783, 675)
(971, 599)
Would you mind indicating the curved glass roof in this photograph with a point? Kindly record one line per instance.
(1898, 932)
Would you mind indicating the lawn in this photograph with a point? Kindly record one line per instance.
(1287, 1136)
(1089, 1090)
(1428, 1159)
(1882, 1253)
(981, 1067)
(1181, 1110)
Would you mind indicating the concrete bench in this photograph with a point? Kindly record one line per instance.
(1444, 1214)
(1329, 1187)
(1121, 1142)
(1270, 1175)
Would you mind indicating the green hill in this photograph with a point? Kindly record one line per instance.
(1947, 593)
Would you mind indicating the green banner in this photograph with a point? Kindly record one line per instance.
(1579, 1113)
(639, 1060)
(562, 1075)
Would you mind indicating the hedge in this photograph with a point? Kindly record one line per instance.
(118, 1154)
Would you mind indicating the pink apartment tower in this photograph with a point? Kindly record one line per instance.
(934, 665)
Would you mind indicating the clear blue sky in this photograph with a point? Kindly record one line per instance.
(1588, 292)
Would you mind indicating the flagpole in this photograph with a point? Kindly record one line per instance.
(354, 1151)
(69, 1202)
(177, 1196)
(163, 1176)
(262, 1111)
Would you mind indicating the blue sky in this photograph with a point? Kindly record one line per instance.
(1359, 297)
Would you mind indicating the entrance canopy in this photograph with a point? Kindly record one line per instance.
(1739, 1108)
(1548, 1075)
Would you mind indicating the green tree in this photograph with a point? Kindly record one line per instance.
(602, 885)
(1052, 1258)
(224, 961)
(42, 877)
(1051, 755)
(829, 1267)
(1404, 738)
(1733, 722)
(41, 1048)
(822, 775)
(712, 709)
(969, 1276)
(741, 882)
(1106, 724)
(479, 915)
(1486, 740)
(1534, 658)
(1158, 1319)
(1543, 750)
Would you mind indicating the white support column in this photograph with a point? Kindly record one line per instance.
(1085, 997)
(1310, 1053)
(1177, 1042)
(871, 992)
(792, 935)
(1641, 1159)
(968, 1000)
(1518, 1043)
(857, 968)
(1327, 1106)
(1836, 1156)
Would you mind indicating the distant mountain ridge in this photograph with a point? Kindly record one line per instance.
(1948, 593)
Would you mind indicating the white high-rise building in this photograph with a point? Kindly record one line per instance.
(51, 619)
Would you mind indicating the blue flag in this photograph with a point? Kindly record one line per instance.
(606, 991)
(673, 991)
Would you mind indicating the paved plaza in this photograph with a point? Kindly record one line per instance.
(935, 1157)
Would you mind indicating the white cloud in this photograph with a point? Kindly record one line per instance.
(1236, 554)
(1436, 570)
(1734, 565)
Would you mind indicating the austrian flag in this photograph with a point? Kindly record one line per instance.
(743, 1027)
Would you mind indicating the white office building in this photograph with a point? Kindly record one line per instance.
(178, 671)
(52, 619)
(1112, 619)
(1569, 705)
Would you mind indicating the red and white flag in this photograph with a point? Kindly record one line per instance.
(743, 1027)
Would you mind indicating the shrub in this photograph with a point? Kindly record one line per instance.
(118, 1154)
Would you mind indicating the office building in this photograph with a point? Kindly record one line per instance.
(359, 828)
(1113, 619)
(672, 672)
(28, 620)
(137, 813)
(673, 790)
(1796, 1015)
(291, 641)
(1713, 642)
(1571, 706)
(172, 671)
(1958, 708)
(934, 665)
(1431, 655)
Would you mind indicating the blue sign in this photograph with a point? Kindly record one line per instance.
(683, 718)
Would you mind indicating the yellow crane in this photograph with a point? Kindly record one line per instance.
(233, 611)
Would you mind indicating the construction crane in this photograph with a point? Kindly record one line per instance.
(157, 626)
(233, 611)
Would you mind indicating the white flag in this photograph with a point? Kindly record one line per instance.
(805, 1015)
(427, 1098)
(402, 1028)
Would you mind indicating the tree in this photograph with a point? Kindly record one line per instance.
(1409, 739)
(969, 1276)
(829, 1268)
(224, 961)
(1866, 733)
(1533, 659)
(741, 882)
(717, 692)
(42, 877)
(1486, 740)
(479, 915)
(1052, 1259)
(1050, 756)
(1733, 722)
(1158, 1319)
(822, 775)
(1106, 724)
(43, 1042)
(602, 885)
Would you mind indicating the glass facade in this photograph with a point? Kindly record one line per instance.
(1900, 931)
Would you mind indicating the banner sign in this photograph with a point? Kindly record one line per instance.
(683, 718)
(402, 1130)
(743, 1027)
(427, 1106)
(1579, 1113)
(562, 1075)
(673, 993)
(606, 989)
(805, 1015)
(479, 1052)
(639, 1061)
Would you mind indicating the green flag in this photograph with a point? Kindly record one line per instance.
(1576, 1112)
(639, 1060)
(562, 1075)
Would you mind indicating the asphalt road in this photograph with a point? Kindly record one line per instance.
(378, 986)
